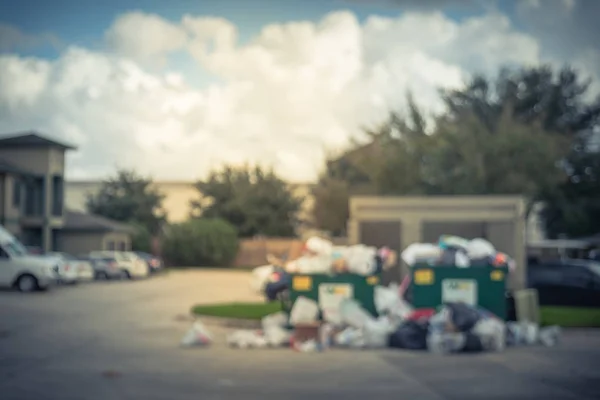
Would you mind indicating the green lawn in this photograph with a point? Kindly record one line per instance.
(254, 311)
(562, 316)
(571, 317)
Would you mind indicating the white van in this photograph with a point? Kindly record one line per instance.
(20, 270)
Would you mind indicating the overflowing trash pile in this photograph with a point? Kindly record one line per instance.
(456, 251)
(454, 327)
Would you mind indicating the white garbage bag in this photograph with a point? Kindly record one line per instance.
(446, 342)
(198, 335)
(389, 301)
(309, 265)
(279, 319)
(419, 251)
(480, 248)
(260, 277)
(461, 260)
(304, 311)
(319, 246)
(550, 335)
(360, 260)
(376, 332)
(453, 241)
(277, 336)
(245, 339)
(352, 314)
(492, 333)
(350, 337)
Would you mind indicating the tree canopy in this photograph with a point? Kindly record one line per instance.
(254, 200)
(129, 197)
(524, 131)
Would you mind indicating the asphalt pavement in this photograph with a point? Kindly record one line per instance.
(120, 340)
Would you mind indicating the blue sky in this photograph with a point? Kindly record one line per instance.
(83, 22)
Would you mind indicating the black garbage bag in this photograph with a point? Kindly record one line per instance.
(464, 317)
(410, 335)
(272, 289)
(472, 344)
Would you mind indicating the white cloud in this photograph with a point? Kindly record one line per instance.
(282, 98)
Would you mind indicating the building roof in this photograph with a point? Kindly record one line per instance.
(80, 221)
(6, 167)
(31, 139)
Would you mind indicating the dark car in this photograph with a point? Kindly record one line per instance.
(155, 264)
(569, 283)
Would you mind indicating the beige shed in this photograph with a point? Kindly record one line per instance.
(397, 222)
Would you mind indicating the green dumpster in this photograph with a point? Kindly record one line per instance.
(327, 290)
(483, 286)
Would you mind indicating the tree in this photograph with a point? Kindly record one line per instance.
(254, 200)
(203, 242)
(556, 102)
(130, 198)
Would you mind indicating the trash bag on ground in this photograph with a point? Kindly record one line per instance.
(198, 335)
(376, 332)
(463, 316)
(550, 335)
(246, 339)
(491, 333)
(352, 314)
(350, 337)
(304, 311)
(411, 335)
(522, 333)
(277, 336)
(278, 319)
(446, 342)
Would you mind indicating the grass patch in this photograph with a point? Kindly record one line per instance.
(570, 317)
(254, 311)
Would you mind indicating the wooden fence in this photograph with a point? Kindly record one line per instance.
(253, 252)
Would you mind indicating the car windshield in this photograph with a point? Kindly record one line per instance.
(15, 249)
(595, 268)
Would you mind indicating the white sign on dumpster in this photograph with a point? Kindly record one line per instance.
(331, 296)
(459, 291)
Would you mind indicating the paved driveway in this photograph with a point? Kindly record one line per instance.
(120, 341)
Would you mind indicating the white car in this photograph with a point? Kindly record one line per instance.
(20, 270)
(130, 264)
(71, 269)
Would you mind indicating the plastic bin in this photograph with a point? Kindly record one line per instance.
(326, 290)
(483, 286)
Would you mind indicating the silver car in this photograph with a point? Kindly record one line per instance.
(105, 268)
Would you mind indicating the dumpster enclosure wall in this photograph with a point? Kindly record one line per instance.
(397, 222)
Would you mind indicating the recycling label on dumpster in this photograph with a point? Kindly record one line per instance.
(459, 291)
(331, 296)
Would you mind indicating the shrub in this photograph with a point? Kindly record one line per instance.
(200, 242)
(141, 239)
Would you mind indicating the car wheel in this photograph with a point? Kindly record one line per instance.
(103, 276)
(27, 283)
(126, 274)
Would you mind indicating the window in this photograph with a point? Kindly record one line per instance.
(111, 245)
(16, 193)
(122, 246)
(57, 196)
(578, 277)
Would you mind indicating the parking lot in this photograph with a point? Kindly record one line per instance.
(120, 340)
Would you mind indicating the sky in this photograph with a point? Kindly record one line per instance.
(176, 89)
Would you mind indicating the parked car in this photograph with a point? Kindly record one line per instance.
(72, 269)
(34, 250)
(130, 265)
(154, 263)
(569, 283)
(104, 268)
(21, 270)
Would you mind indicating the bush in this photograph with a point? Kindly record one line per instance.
(201, 242)
(141, 239)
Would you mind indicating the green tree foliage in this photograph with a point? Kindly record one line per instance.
(254, 200)
(129, 197)
(141, 239)
(203, 242)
